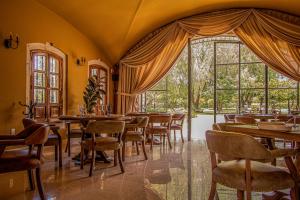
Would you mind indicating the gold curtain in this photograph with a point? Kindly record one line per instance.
(272, 36)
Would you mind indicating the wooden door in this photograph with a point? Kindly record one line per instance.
(46, 85)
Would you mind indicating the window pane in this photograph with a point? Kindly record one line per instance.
(39, 62)
(94, 72)
(54, 65)
(252, 75)
(39, 95)
(161, 85)
(53, 96)
(283, 100)
(247, 55)
(227, 53)
(54, 81)
(277, 80)
(156, 101)
(227, 76)
(252, 101)
(227, 101)
(39, 79)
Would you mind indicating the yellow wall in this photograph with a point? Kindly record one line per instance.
(35, 23)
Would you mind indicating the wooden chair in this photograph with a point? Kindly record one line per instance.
(177, 124)
(37, 135)
(246, 173)
(54, 139)
(229, 118)
(160, 124)
(111, 142)
(72, 132)
(245, 120)
(135, 132)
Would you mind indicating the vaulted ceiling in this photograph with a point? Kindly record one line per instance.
(115, 25)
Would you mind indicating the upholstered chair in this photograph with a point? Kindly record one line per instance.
(246, 173)
(135, 132)
(177, 124)
(34, 135)
(229, 118)
(245, 119)
(160, 124)
(106, 136)
(54, 139)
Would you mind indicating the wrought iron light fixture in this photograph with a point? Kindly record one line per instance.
(12, 42)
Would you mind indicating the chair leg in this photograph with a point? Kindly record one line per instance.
(213, 188)
(174, 135)
(55, 152)
(123, 151)
(115, 158)
(69, 146)
(137, 148)
(181, 136)
(169, 141)
(240, 194)
(81, 156)
(151, 145)
(66, 149)
(92, 162)
(120, 161)
(39, 183)
(144, 150)
(60, 153)
(31, 179)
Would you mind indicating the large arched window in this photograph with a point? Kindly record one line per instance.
(46, 80)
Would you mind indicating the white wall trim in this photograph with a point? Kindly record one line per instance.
(99, 62)
(46, 47)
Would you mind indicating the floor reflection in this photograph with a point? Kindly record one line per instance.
(180, 173)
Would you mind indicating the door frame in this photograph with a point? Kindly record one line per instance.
(51, 49)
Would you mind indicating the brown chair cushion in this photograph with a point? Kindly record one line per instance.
(134, 136)
(10, 164)
(103, 143)
(265, 177)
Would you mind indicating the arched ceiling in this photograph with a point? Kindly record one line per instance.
(115, 25)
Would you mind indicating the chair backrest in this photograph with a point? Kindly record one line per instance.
(28, 122)
(292, 120)
(106, 126)
(142, 122)
(284, 118)
(229, 117)
(161, 118)
(245, 119)
(236, 145)
(39, 136)
(178, 117)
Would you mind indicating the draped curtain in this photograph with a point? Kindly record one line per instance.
(273, 36)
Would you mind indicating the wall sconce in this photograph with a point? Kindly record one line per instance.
(12, 42)
(81, 61)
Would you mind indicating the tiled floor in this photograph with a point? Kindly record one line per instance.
(182, 173)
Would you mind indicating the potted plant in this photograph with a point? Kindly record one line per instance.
(92, 94)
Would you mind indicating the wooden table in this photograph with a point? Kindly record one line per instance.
(253, 130)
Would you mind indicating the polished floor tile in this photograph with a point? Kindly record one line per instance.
(182, 173)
